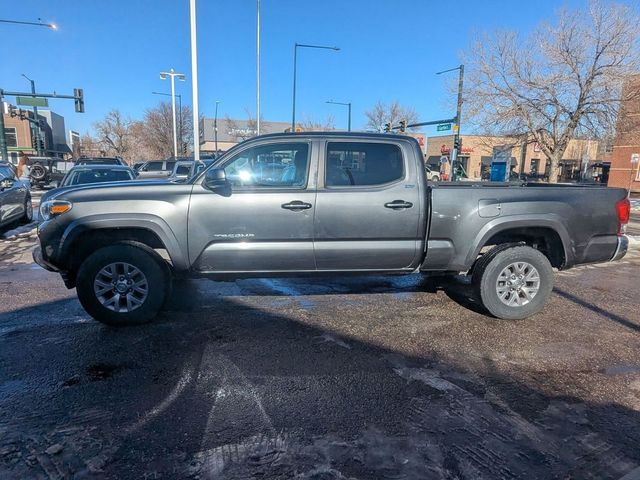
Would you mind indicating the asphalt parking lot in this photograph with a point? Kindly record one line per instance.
(327, 379)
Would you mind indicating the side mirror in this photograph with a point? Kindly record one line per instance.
(215, 179)
(6, 183)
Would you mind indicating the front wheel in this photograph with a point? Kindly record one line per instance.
(123, 284)
(513, 283)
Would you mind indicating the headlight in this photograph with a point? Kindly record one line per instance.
(53, 208)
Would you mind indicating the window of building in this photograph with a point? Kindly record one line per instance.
(638, 172)
(11, 136)
(361, 164)
(534, 167)
(274, 165)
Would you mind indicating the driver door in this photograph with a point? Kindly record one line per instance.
(264, 221)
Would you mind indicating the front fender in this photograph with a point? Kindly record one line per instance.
(153, 223)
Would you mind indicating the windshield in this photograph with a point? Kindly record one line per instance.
(81, 177)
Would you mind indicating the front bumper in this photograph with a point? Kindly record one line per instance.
(621, 249)
(39, 259)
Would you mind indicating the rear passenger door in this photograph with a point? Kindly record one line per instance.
(367, 207)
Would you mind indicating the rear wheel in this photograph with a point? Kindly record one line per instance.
(435, 178)
(123, 284)
(514, 282)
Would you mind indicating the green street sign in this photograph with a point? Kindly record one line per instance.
(444, 126)
(32, 102)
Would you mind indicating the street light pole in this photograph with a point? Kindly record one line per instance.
(163, 76)
(349, 110)
(295, 60)
(35, 127)
(215, 127)
(257, 71)
(456, 135)
(194, 80)
(179, 111)
(52, 26)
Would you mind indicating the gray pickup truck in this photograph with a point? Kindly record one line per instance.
(323, 203)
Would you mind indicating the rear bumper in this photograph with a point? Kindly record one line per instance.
(621, 249)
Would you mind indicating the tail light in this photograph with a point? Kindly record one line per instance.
(623, 208)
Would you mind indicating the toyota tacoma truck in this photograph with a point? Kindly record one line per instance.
(323, 203)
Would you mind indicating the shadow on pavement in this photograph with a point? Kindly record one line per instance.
(596, 309)
(228, 390)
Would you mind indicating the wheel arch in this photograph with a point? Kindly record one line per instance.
(546, 234)
(81, 238)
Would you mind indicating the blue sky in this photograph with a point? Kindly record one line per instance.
(114, 50)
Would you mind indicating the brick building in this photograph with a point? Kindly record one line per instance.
(627, 139)
(478, 152)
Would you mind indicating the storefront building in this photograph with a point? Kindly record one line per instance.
(624, 172)
(479, 152)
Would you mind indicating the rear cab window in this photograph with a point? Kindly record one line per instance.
(363, 164)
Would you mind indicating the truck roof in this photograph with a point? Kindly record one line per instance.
(337, 133)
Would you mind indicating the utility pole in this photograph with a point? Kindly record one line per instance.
(172, 74)
(456, 134)
(215, 127)
(35, 127)
(194, 80)
(257, 71)
(3, 141)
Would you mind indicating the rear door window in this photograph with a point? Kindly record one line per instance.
(362, 164)
(153, 167)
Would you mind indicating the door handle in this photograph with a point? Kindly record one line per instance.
(398, 205)
(296, 205)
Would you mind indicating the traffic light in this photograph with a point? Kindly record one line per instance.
(457, 143)
(403, 126)
(387, 127)
(78, 93)
(13, 111)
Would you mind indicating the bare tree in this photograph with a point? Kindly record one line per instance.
(155, 131)
(311, 125)
(114, 133)
(392, 113)
(89, 146)
(250, 130)
(563, 80)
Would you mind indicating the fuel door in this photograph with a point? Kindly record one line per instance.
(489, 207)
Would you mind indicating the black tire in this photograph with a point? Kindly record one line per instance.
(490, 267)
(28, 211)
(435, 178)
(149, 263)
(37, 172)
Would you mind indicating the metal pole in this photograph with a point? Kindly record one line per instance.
(258, 69)
(173, 111)
(194, 81)
(349, 127)
(293, 113)
(454, 153)
(3, 140)
(180, 121)
(215, 127)
(36, 127)
(52, 26)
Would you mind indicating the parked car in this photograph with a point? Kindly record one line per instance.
(155, 169)
(45, 171)
(185, 169)
(137, 165)
(15, 197)
(431, 175)
(349, 203)
(89, 174)
(100, 161)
